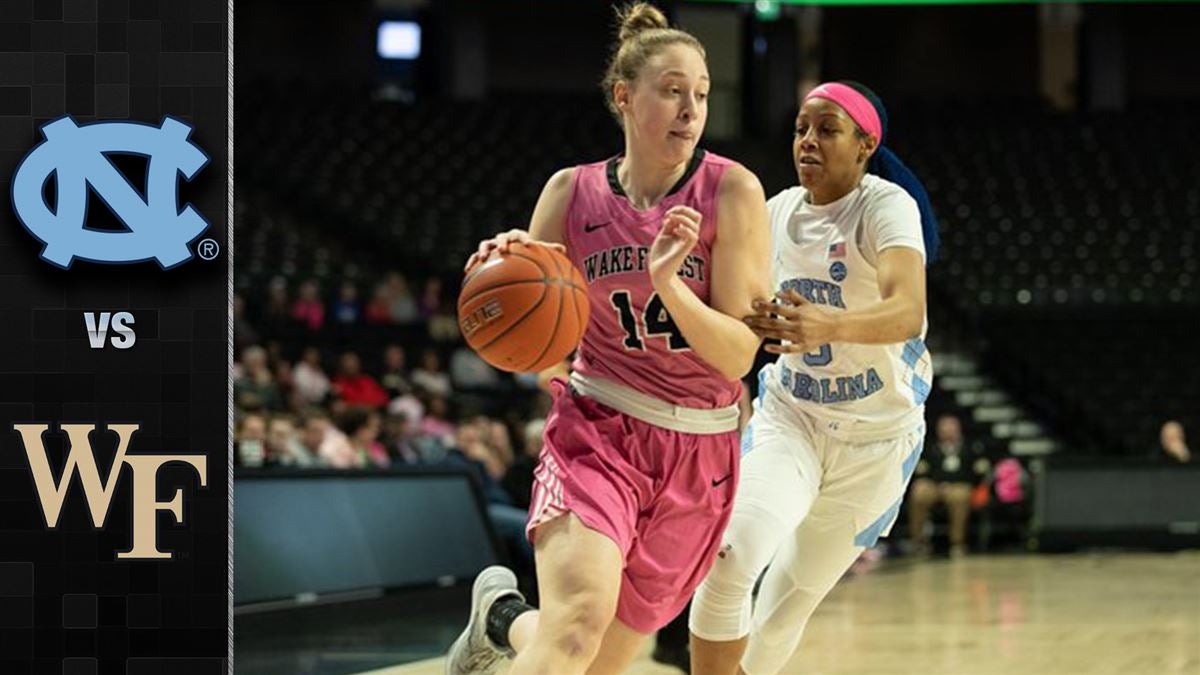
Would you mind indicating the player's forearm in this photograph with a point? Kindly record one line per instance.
(895, 319)
(724, 342)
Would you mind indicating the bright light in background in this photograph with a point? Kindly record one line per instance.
(399, 40)
(766, 10)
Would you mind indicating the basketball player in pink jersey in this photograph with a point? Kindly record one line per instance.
(637, 476)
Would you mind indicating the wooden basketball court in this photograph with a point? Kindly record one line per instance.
(1093, 614)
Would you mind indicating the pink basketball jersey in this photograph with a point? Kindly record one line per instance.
(630, 338)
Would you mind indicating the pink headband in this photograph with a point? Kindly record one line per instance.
(855, 104)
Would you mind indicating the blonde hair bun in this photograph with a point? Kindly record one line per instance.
(640, 17)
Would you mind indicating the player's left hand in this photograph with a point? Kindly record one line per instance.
(803, 326)
(678, 236)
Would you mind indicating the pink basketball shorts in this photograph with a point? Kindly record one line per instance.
(663, 496)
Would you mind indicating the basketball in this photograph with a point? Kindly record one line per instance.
(524, 310)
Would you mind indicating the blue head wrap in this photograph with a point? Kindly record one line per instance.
(885, 164)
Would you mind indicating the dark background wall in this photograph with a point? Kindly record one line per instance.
(917, 52)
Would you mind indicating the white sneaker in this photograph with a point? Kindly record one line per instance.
(474, 653)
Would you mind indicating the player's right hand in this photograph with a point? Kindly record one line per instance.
(502, 241)
(675, 240)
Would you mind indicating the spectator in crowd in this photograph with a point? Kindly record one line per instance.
(250, 438)
(518, 481)
(308, 308)
(267, 383)
(316, 440)
(244, 333)
(474, 453)
(255, 388)
(312, 384)
(443, 324)
(345, 309)
(429, 376)
(468, 371)
(356, 388)
(431, 299)
(277, 312)
(947, 472)
(362, 426)
(498, 438)
(493, 451)
(326, 442)
(379, 310)
(436, 422)
(1008, 482)
(431, 449)
(1172, 444)
(395, 374)
(398, 439)
(285, 381)
(283, 447)
(472, 442)
(403, 305)
(311, 433)
(274, 354)
(411, 408)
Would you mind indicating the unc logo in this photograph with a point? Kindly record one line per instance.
(837, 271)
(75, 155)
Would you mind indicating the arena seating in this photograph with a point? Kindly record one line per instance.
(1049, 211)
(1062, 234)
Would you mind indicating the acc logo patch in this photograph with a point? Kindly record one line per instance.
(838, 271)
(75, 155)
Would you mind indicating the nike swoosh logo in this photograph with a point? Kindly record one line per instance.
(592, 228)
(717, 482)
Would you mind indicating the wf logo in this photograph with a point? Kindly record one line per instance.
(75, 156)
(99, 492)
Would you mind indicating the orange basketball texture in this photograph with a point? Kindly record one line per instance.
(524, 310)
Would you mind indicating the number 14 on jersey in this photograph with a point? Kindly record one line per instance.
(655, 318)
(657, 321)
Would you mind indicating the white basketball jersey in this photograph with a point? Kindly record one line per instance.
(855, 392)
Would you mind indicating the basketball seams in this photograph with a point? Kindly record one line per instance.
(475, 293)
(557, 319)
(544, 279)
(474, 274)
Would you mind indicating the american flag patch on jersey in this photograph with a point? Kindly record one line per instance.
(837, 250)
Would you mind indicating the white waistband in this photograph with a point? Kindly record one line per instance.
(654, 411)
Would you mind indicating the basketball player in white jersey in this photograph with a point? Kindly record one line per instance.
(839, 423)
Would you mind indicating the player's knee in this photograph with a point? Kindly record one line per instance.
(584, 619)
(721, 606)
(750, 542)
(578, 641)
(731, 578)
(736, 565)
